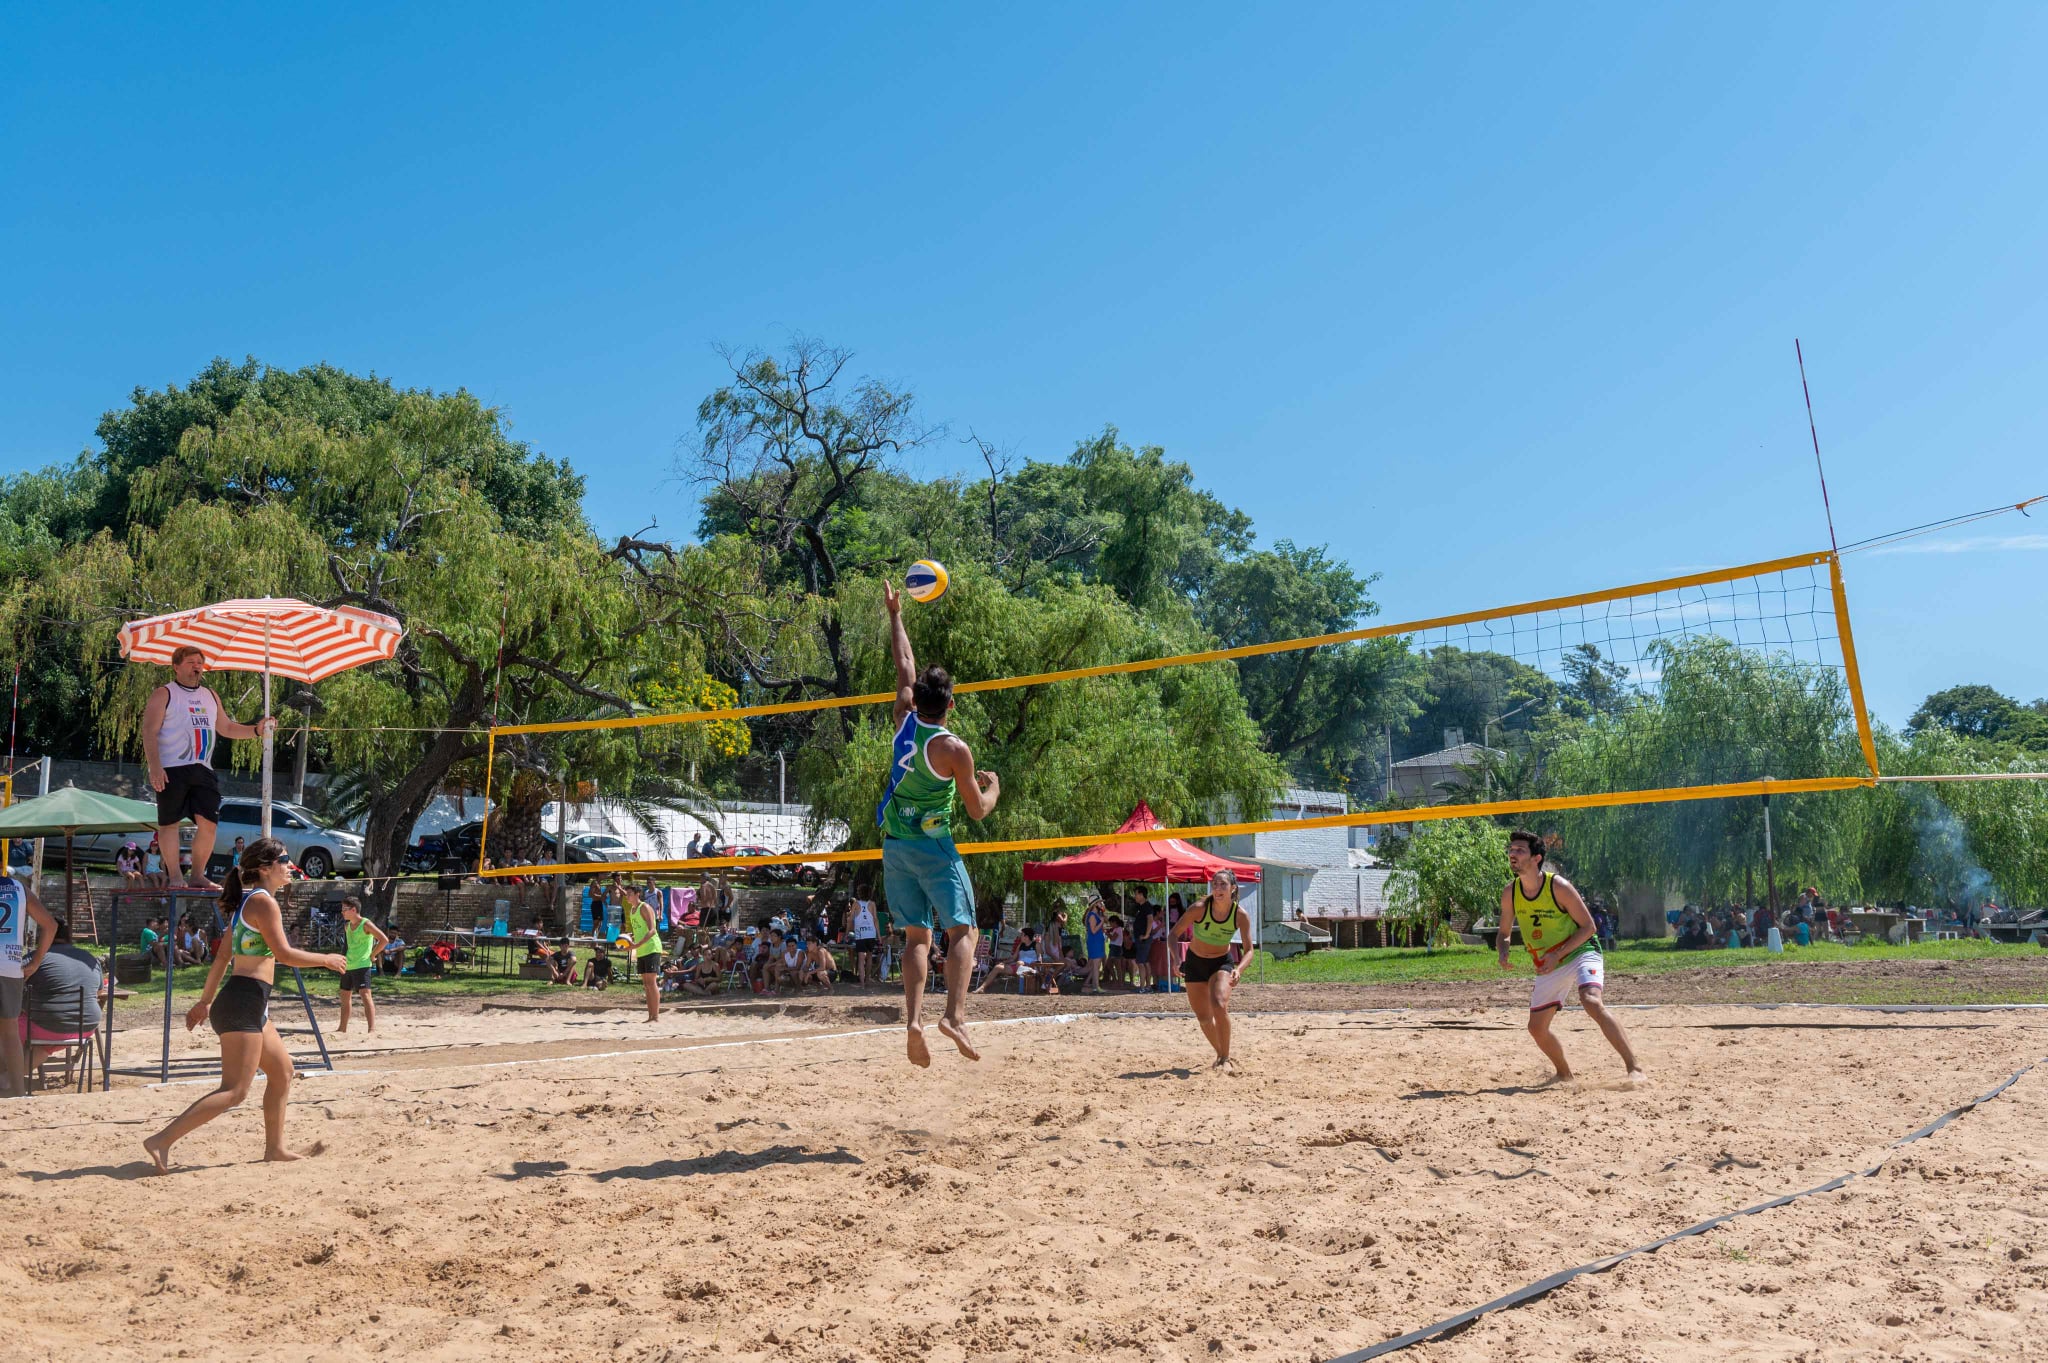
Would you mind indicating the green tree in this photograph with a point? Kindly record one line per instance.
(1322, 710)
(1074, 757)
(1977, 711)
(1719, 713)
(1465, 689)
(1449, 878)
(501, 623)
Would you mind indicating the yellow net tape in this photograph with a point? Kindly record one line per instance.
(1214, 655)
(1656, 593)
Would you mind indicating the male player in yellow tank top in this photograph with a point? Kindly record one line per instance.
(1557, 929)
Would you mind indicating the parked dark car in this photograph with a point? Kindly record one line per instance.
(801, 873)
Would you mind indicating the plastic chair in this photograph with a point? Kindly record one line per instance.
(75, 1059)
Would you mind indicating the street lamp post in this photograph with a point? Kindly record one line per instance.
(1486, 736)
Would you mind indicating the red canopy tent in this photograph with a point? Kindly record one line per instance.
(1158, 861)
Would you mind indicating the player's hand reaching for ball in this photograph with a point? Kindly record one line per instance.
(892, 598)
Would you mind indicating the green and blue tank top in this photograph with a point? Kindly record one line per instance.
(244, 940)
(918, 802)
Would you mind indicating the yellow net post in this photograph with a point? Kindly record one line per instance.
(483, 833)
(1850, 674)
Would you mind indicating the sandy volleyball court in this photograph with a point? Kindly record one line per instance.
(548, 1185)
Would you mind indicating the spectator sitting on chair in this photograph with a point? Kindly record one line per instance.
(392, 961)
(63, 1003)
(1023, 960)
(536, 952)
(598, 973)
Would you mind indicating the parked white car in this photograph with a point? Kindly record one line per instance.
(317, 849)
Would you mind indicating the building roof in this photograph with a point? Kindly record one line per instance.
(1464, 755)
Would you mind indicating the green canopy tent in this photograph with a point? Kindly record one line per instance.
(72, 811)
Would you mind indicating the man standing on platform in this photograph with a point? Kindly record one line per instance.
(922, 872)
(179, 728)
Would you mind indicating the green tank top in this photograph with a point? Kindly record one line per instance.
(1545, 924)
(639, 924)
(1209, 932)
(244, 940)
(360, 944)
(919, 803)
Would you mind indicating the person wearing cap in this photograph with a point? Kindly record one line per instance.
(128, 861)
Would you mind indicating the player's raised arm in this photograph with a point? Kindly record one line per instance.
(899, 649)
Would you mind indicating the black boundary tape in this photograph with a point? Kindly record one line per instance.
(1543, 1287)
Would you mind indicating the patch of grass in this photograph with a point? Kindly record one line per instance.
(1405, 965)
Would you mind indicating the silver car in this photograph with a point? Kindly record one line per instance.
(318, 850)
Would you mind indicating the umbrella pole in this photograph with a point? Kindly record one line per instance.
(267, 744)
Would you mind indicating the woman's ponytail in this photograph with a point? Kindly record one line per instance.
(231, 891)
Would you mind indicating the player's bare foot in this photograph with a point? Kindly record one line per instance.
(920, 1053)
(281, 1155)
(956, 1032)
(159, 1154)
(197, 882)
(1562, 1077)
(1225, 1065)
(1636, 1077)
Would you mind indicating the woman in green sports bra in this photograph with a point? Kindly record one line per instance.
(248, 956)
(1206, 971)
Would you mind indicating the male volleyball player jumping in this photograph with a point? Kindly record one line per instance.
(1557, 929)
(922, 872)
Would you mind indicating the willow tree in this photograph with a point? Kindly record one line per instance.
(1718, 713)
(503, 623)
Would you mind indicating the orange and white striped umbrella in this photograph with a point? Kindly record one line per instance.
(277, 634)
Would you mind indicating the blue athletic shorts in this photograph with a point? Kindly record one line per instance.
(925, 879)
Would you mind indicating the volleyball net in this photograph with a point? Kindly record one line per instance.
(1711, 685)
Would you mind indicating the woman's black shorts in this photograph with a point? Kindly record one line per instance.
(864, 946)
(650, 964)
(1201, 969)
(356, 981)
(242, 1005)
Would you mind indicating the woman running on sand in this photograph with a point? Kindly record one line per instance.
(1206, 971)
(240, 1009)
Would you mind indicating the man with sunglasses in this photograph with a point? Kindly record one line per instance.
(180, 727)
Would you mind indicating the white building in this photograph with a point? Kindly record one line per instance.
(1311, 875)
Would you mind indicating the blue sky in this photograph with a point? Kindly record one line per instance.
(1496, 301)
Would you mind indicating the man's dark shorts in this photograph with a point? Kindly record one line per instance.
(190, 792)
(356, 981)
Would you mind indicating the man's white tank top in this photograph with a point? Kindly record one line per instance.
(13, 926)
(185, 738)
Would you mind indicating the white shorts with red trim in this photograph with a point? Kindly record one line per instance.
(1583, 971)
